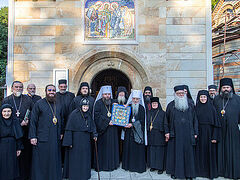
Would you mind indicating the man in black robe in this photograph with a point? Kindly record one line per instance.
(65, 97)
(181, 130)
(122, 96)
(227, 104)
(147, 94)
(83, 92)
(31, 89)
(21, 104)
(212, 89)
(45, 133)
(121, 99)
(108, 147)
(134, 159)
(156, 137)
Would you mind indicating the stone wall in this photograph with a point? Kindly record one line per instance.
(171, 45)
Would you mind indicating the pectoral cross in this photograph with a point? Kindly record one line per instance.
(18, 113)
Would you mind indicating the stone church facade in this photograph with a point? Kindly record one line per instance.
(160, 43)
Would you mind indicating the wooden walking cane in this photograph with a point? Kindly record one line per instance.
(97, 159)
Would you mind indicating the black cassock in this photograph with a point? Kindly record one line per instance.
(76, 104)
(108, 147)
(206, 151)
(78, 132)
(134, 158)
(156, 140)
(229, 139)
(10, 142)
(35, 98)
(65, 100)
(26, 155)
(77, 100)
(46, 160)
(182, 127)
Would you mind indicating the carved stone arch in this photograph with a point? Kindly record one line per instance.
(96, 61)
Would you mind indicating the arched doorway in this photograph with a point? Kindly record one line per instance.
(112, 77)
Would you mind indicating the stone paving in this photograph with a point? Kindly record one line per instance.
(121, 174)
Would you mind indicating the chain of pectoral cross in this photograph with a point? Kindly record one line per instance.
(20, 104)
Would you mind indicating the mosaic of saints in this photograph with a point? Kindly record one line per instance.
(109, 19)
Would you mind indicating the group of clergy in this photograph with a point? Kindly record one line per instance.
(187, 140)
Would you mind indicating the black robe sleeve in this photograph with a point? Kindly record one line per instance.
(19, 145)
(101, 121)
(94, 129)
(195, 123)
(63, 120)
(216, 126)
(166, 120)
(34, 121)
(67, 140)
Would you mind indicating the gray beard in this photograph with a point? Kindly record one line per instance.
(212, 96)
(32, 93)
(226, 94)
(181, 104)
(121, 99)
(106, 101)
(135, 108)
(17, 94)
(62, 91)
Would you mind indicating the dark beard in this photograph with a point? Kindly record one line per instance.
(226, 94)
(147, 99)
(51, 99)
(106, 101)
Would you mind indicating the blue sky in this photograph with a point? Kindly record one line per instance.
(3, 3)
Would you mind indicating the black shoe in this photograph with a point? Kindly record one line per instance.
(173, 177)
(188, 178)
(160, 171)
(152, 169)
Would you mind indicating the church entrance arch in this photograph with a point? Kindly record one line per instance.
(112, 77)
(109, 68)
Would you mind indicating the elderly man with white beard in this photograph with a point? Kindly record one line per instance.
(122, 96)
(181, 130)
(134, 135)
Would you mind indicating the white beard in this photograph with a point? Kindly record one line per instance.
(121, 99)
(32, 93)
(62, 91)
(212, 96)
(18, 94)
(135, 108)
(181, 103)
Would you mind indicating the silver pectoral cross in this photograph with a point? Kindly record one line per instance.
(18, 113)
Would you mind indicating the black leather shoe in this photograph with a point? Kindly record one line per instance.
(160, 171)
(188, 178)
(173, 177)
